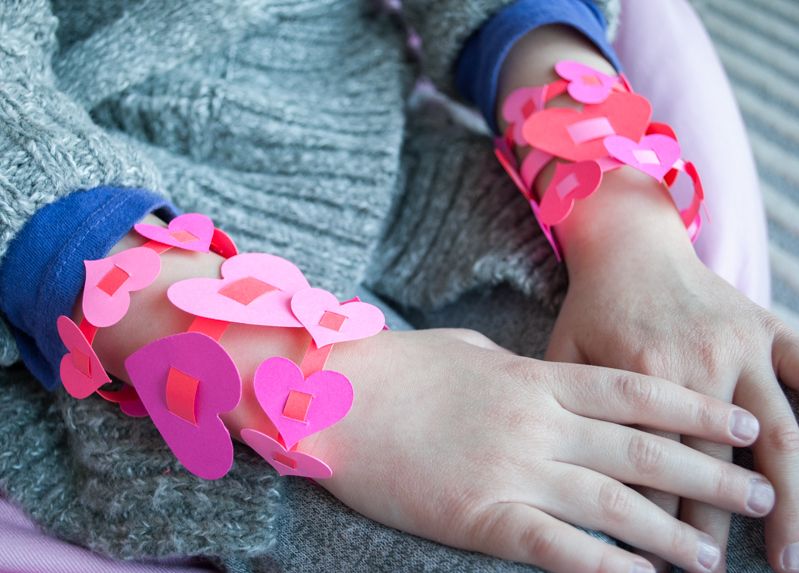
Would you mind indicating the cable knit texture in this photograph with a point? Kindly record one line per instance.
(284, 120)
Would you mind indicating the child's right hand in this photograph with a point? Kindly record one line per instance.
(455, 439)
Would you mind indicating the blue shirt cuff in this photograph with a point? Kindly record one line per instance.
(480, 62)
(43, 271)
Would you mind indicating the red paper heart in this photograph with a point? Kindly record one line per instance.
(571, 181)
(579, 135)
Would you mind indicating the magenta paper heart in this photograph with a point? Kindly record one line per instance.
(196, 369)
(655, 154)
(286, 463)
(328, 322)
(82, 373)
(191, 232)
(299, 406)
(571, 181)
(109, 282)
(256, 288)
(520, 105)
(586, 84)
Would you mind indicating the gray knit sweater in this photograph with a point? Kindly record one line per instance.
(285, 121)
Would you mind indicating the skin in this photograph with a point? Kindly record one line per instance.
(640, 299)
(453, 438)
(456, 439)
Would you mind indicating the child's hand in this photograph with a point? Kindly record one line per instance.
(457, 440)
(640, 299)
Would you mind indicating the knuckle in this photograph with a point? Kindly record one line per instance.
(784, 438)
(637, 391)
(682, 537)
(541, 543)
(645, 454)
(615, 502)
(704, 415)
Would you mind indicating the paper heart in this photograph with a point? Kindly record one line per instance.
(81, 371)
(299, 406)
(520, 105)
(328, 322)
(109, 282)
(586, 84)
(128, 401)
(285, 462)
(655, 154)
(256, 288)
(223, 245)
(197, 369)
(571, 181)
(191, 232)
(579, 136)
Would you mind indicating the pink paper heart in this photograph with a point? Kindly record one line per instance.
(328, 322)
(579, 135)
(520, 105)
(109, 282)
(299, 406)
(285, 462)
(586, 84)
(654, 154)
(205, 372)
(571, 181)
(256, 288)
(82, 373)
(191, 232)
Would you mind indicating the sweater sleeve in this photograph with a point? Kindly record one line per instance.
(49, 148)
(481, 60)
(446, 25)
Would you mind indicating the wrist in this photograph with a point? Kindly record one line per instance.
(632, 217)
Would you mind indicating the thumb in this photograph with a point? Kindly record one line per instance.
(563, 348)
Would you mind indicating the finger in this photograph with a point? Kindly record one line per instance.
(777, 456)
(786, 357)
(519, 532)
(629, 398)
(710, 519)
(668, 502)
(609, 506)
(639, 458)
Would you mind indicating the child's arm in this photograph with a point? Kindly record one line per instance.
(640, 299)
(455, 439)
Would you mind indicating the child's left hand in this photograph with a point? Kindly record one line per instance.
(654, 308)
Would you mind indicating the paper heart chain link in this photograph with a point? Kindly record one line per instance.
(186, 382)
(613, 128)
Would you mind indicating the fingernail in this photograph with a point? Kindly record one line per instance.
(744, 425)
(790, 557)
(708, 555)
(761, 496)
(643, 568)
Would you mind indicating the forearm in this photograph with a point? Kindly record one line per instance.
(629, 205)
(151, 316)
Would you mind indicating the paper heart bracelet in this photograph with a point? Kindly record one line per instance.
(612, 129)
(184, 382)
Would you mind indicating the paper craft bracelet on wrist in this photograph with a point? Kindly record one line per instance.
(612, 129)
(185, 381)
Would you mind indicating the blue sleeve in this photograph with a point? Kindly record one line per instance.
(42, 272)
(480, 62)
